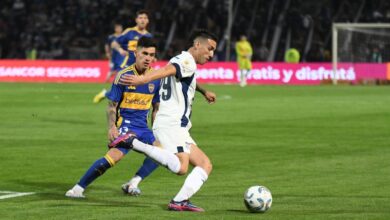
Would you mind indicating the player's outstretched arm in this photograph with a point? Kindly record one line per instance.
(115, 45)
(133, 80)
(210, 97)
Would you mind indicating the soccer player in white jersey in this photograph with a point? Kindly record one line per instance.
(172, 123)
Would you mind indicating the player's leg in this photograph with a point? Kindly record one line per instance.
(166, 156)
(97, 169)
(148, 166)
(248, 68)
(131, 187)
(177, 163)
(100, 96)
(193, 182)
(241, 77)
(111, 72)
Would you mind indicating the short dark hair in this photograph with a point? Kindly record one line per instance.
(201, 33)
(141, 12)
(146, 42)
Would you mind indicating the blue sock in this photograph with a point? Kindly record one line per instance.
(147, 168)
(97, 169)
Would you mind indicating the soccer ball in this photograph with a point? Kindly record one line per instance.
(258, 199)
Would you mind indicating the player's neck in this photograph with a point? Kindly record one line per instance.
(141, 30)
(140, 71)
(192, 52)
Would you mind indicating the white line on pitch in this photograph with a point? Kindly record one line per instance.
(11, 194)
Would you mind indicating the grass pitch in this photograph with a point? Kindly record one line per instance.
(323, 151)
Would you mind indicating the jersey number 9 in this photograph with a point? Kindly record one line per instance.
(167, 90)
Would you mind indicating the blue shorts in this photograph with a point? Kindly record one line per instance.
(143, 134)
(115, 67)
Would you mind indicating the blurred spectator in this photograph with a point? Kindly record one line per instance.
(292, 56)
(76, 29)
(376, 55)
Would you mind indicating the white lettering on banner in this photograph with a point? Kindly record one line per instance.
(22, 71)
(287, 74)
(213, 73)
(306, 73)
(265, 73)
(68, 72)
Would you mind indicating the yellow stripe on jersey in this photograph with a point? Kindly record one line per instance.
(136, 101)
(123, 64)
(135, 28)
(129, 29)
(119, 74)
(119, 121)
(109, 159)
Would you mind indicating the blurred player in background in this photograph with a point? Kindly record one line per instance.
(113, 56)
(133, 104)
(244, 58)
(172, 123)
(126, 44)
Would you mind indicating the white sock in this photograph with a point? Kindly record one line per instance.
(78, 188)
(135, 181)
(192, 184)
(162, 156)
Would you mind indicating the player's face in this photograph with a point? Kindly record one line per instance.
(142, 21)
(205, 50)
(118, 29)
(144, 57)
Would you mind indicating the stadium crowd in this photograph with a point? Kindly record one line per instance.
(77, 29)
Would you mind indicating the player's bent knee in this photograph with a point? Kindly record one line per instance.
(115, 154)
(207, 166)
(183, 170)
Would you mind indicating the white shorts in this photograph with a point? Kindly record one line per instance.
(174, 139)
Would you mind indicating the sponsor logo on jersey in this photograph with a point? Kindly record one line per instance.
(138, 101)
(151, 87)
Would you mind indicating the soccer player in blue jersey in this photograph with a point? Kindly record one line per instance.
(133, 103)
(126, 45)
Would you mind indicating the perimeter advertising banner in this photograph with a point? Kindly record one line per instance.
(214, 72)
(52, 71)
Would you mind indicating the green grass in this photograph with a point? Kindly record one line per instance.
(323, 151)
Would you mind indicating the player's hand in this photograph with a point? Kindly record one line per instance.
(113, 133)
(211, 97)
(132, 80)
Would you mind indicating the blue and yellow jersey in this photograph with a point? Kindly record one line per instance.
(116, 58)
(134, 102)
(128, 41)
